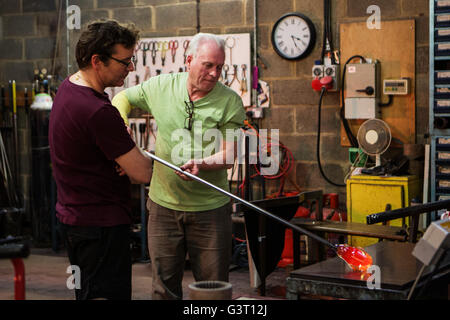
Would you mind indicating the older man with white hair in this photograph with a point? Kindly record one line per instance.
(186, 217)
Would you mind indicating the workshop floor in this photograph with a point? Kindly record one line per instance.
(45, 278)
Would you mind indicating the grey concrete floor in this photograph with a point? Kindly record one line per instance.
(45, 278)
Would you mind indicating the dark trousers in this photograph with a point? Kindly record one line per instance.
(103, 257)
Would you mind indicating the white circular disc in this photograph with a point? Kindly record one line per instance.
(372, 136)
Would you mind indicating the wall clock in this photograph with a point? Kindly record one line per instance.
(293, 36)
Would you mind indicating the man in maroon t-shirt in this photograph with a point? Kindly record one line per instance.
(88, 140)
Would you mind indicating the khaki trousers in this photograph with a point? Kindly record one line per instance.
(204, 235)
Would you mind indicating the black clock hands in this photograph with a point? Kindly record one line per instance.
(297, 38)
(293, 40)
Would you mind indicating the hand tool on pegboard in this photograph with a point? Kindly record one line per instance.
(173, 46)
(244, 88)
(144, 46)
(230, 42)
(185, 46)
(163, 46)
(153, 50)
(225, 68)
(235, 72)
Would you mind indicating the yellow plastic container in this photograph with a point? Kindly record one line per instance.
(370, 194)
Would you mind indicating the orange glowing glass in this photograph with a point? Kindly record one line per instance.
(356, 258)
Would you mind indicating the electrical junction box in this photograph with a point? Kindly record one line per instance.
(396, 86)
(332, 70)
(362, 91)
(434, 243)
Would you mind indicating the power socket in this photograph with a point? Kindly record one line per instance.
(318, 71)
(332, 70)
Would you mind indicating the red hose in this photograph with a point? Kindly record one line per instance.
(285, 164)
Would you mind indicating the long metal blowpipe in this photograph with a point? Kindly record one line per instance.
(244, 202)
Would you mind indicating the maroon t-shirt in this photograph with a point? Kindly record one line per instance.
(86, 134)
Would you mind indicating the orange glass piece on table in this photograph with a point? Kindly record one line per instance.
(356, 258)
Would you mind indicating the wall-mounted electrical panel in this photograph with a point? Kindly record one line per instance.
(362, 91)
(332, 70)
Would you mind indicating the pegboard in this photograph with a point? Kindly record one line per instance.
(393, 45)
(167, 55)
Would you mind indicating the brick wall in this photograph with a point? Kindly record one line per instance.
(29, 30)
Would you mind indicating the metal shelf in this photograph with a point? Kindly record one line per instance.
(439, 76)
(442, 58)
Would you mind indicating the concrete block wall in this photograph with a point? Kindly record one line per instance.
(29, 35)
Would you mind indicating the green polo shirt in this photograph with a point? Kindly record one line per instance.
(220, 112)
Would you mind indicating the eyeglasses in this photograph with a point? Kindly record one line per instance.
(125, 63)
(190, 111)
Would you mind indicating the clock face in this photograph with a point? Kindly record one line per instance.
(293, 36)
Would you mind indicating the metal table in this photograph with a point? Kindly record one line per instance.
(398, 270)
